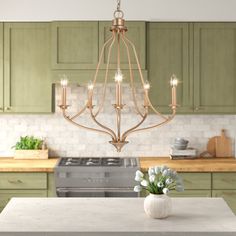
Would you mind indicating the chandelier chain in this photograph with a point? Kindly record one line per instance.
(118, 5)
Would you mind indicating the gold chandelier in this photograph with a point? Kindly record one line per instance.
(118, 138)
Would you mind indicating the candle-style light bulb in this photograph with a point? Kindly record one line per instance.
(174, 81)
(118, 76)
(146, 85)
(90, 85)
(64, 83)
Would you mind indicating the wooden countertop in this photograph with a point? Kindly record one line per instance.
(12, 165)
(195, 165)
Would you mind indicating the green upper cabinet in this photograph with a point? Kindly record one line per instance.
(136, 33)
(1, 67)
(74, 45)
(168, 53)
(214, 67)
(27, 76)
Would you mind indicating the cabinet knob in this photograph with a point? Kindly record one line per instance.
(15, 181)
(198, 108)
(8, 108)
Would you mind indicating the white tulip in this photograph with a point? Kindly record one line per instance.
(139, 176)
(163, 168)
(151, 171)
(165, 190)
(137, 188)
(169, 181)
(144, 183)
(160, 184)
(152, 178)
(157, 170)
(165, 172)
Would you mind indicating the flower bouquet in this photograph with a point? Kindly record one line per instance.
(159, 181)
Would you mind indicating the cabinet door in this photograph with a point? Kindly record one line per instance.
(1, 67)
(6, 195)
(27, 80)
(228, 195)
(168, 53)
(214, 67)
(224, 180)
(11, 180)
(191, 193)
(74, 45)
(193, 181)
(136, 33)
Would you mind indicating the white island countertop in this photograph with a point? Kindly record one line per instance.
(114, 216)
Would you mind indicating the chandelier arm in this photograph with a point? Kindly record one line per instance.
(157, 125)
(106, 73)
(142, 80)
(131, 78)
(126, 133)
(82, 126)
(95, 77)
(110, 131)
(79, 113)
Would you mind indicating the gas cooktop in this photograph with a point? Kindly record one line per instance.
(96, 161)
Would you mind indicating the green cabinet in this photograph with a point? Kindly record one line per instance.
(202, 55)
(228, 195)
(74, 45)
(6, 195)
(27, 79)
(136, 33)
(191, 193)
(214, 67)
(28, 184)
(224, 185)
(168, 52)
(194, 181)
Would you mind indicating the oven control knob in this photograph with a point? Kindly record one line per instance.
(89, 180)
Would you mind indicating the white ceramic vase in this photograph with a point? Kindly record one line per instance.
(157, 206)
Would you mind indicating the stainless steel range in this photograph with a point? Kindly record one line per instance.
(96, 177)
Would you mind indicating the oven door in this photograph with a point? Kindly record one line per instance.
(96, 192)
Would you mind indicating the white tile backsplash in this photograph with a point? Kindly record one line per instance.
(64, 139)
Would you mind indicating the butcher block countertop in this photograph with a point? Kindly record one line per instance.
(12, 165)
(196, 165)
(114, 217)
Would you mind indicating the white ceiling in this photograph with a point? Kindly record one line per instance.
(160, 10)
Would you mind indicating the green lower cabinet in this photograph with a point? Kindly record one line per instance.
(51, 191)
(191, 193)
(228, 195)
(6, 195)
(25, 185)
(193, 181)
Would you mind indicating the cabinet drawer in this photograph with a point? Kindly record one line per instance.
(6, 195)
(191, 193)
(224, 180)
(23, 181)
(196, 180)
(228, 195)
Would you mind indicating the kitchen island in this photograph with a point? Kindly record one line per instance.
(114, 216)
